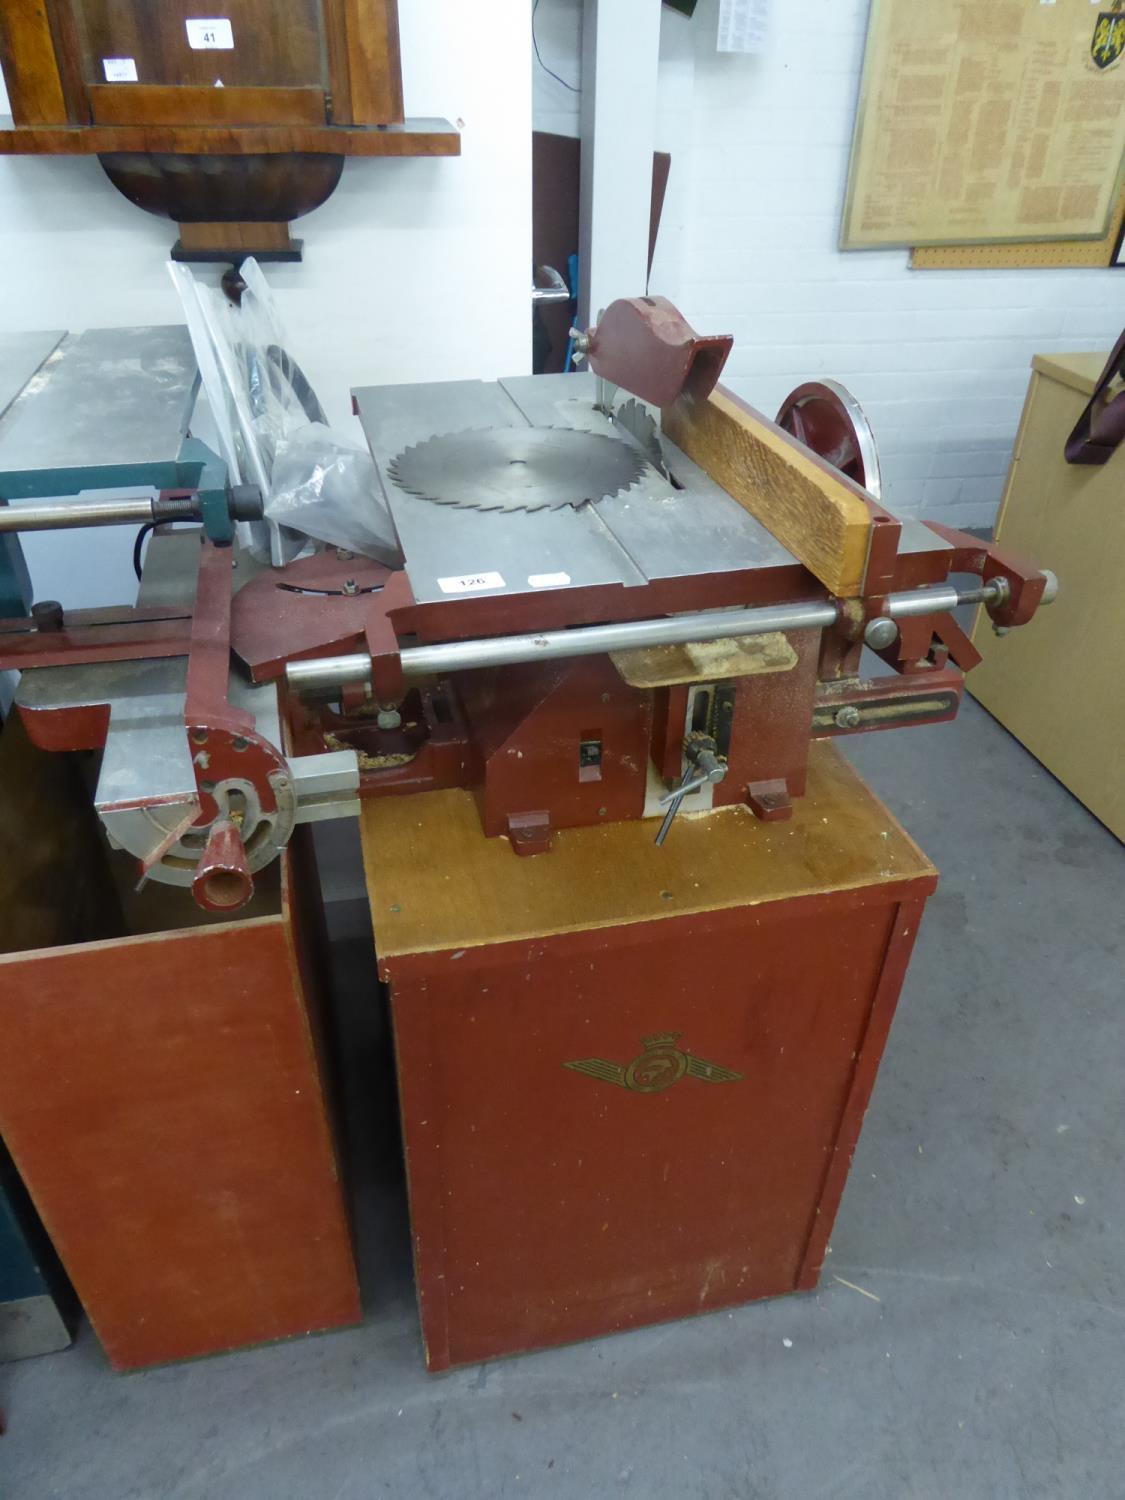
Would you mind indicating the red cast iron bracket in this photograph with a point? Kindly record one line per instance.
(388, 685)
(223, 740)
(929, 641)
(1024, 580)
(311, 607)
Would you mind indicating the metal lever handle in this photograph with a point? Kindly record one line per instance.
(670, 816)
(684, 789)
(555, 290)
(704, 766)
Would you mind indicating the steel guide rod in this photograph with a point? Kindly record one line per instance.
(592, 640)
(116, 510)
(63, 515)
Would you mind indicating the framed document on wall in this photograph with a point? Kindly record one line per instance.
(987, 120)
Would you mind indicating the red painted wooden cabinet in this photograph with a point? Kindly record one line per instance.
(632, 1079)
(160, 1086)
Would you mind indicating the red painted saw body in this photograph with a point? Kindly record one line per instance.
(545, 746)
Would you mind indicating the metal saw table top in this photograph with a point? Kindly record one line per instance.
(648, 532)
(100, 409)
(652, 531)
(21, 356)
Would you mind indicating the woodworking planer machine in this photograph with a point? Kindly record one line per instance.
(622, 594)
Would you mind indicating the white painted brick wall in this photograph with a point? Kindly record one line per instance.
(939, 359)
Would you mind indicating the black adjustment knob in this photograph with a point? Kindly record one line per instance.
(48, 616)
(246, 503)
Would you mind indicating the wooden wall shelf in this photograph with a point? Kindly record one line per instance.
(416, 137)
(232, 131)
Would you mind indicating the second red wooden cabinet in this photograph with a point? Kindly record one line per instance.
(161, 1085)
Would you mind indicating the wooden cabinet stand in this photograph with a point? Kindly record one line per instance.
(632, 1078)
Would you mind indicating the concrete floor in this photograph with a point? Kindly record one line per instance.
(984, 1221)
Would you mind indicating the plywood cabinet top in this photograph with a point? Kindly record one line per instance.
(436, 883)
(1079, 371)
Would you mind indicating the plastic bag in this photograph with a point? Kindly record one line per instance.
(323, 486)
(273, 431)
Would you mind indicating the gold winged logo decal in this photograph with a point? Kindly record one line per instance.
(658, 1066)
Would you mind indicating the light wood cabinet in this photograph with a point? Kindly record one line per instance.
(1057, 686)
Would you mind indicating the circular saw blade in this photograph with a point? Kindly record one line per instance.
(634, 417)
(517, 468)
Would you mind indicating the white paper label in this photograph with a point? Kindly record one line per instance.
(214, 35)
(471, 583)
(742, 25)
(548, 580)
(120, 69)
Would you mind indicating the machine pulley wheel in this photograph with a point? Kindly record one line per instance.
(827, 418)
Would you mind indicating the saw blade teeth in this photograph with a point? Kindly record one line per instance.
(634, 418)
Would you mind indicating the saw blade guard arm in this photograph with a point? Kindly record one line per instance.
(647, 347)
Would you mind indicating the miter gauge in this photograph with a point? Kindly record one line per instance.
(517, 468)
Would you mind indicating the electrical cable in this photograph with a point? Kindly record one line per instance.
(138, 545)
(143, 532)
(574, 89)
